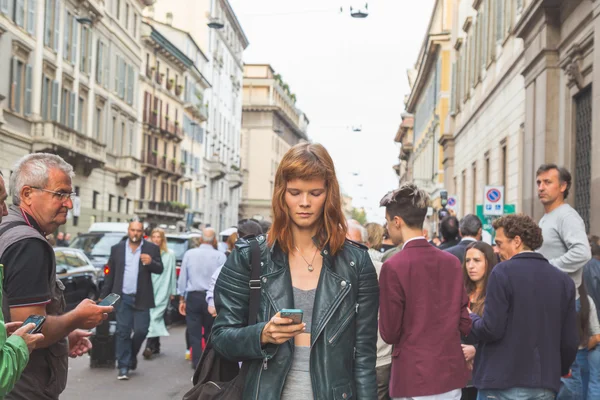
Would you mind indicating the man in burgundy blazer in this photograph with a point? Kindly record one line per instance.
(423, 306)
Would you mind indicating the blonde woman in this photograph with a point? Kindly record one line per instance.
(165, 288)
(375, 240)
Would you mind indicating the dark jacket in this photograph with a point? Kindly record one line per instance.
(460, 249)
(113, 282)
(423, 311)
(450, 243)
(528, 333)
(591, 278)
(344, 322)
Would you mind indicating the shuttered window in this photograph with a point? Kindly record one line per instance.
(55, 94)
(499, 20)
(99, 62)
(4, 6)
(20, 87)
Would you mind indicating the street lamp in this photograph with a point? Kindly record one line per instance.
(215, 23)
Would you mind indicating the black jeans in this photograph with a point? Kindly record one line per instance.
(130, 319)
(197, 317)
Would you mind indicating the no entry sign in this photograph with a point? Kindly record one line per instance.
(493, 201)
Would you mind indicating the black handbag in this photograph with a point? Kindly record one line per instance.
(215, 376)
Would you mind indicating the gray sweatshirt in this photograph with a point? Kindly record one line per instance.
(565, 244)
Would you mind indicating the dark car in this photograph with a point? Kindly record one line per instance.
(78, 275)
(96, 246)
(179, 243)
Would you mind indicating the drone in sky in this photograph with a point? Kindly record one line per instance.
(362, 12)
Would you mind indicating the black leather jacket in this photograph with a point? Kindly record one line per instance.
(344, 322)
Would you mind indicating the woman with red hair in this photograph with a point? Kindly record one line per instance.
(306, 264)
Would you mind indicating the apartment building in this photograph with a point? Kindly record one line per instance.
(70, 75)
(271, 125)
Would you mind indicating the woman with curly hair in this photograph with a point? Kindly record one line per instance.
(306, 264)
(527, 335)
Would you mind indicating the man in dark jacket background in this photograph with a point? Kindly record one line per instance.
(130, 264)
(470, 228)
(450, 232)
(528, 336)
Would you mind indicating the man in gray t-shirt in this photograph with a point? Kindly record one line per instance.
(565, 244)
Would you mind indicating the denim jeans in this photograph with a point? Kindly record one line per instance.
(130, 319)
(197, 318)
(584, 382)
(516, 394)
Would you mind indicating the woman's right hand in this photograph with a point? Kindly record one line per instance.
(31, 340)
(279, 330)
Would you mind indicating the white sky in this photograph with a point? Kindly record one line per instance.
(345, 72)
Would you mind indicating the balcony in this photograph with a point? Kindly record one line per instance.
(199, 111)
(235, 179)
(128, 169)
(171, 130)
(77, 149)
(160, 165)
(163, 211)
(215, 169)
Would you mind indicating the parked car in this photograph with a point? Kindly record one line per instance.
(78, 275)
(96, 246)
(179, 243)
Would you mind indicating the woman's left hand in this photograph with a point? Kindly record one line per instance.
(469, 352)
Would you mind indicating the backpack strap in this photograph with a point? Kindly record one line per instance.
(254, 282)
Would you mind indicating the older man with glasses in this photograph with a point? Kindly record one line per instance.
(41, 192)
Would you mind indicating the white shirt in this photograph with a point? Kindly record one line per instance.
(410, 240)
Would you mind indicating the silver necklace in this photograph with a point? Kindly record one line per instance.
(309, 264)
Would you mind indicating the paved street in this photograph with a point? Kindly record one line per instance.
(166, 377)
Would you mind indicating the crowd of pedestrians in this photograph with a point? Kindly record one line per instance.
(387, 312)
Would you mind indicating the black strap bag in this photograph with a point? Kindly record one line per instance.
(215, 377)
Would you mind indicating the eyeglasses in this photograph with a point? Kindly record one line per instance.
(63, 196)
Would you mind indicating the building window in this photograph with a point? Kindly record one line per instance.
(20, 88)
(95, 200)
(85, 64)
(118, 10)
(119, 203)
(143, 187)
(503, 165)
(81, 115)
(474, 195)
(24, 14)
(463, 196)
(51, 33)
(135, 22)
(110, 135)
(126, 16)
(70, 38)
(67, 112)
(124, 146)
(487, 169)
(110, 201)
(98, 124)
(500, 21)
(99, 64)
(127, 206)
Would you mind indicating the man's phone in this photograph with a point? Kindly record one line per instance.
(110, 300)
(294, 314)
(38, 320)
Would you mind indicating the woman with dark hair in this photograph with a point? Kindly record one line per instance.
(307, 264)
(477, 266)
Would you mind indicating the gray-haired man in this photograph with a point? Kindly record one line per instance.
(197, 268)
(41, 191)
